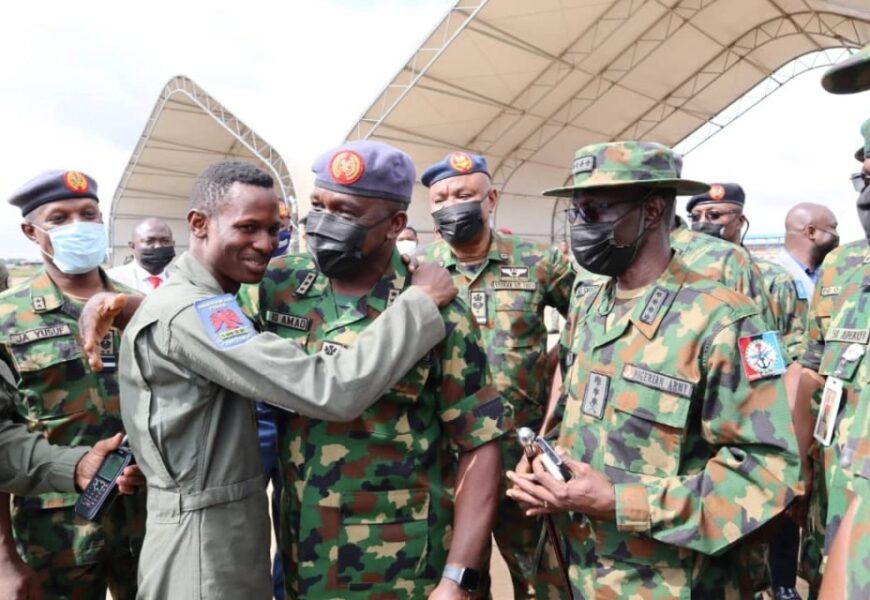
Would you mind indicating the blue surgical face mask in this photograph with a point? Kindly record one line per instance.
(78, 247)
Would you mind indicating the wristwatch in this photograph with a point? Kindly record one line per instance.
(467, 579)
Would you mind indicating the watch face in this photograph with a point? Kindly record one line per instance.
(470, 580)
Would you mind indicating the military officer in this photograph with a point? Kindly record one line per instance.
(677, 426)
(507, 282)
(61, 397)
(850, 550)
(386, 477)
(191, 362)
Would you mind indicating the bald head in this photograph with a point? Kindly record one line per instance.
(153, 244)
(810, 232)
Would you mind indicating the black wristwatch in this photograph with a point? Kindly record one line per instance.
(467, 579)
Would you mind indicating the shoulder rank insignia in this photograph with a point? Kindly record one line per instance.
(303, 288)
(761, 355)
(654, 306)
(223, 319)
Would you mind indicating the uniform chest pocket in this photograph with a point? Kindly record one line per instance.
(49, 369)
(384, 538)
(646, 431)
(516, 319)
(841, 359)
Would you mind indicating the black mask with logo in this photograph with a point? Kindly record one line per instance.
(155, 260)
(595, 248)
(336, 243)
(713, 229)
(459, 223)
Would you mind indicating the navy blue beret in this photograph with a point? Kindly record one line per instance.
(52, 186)
(719, 192)
(368, 169)
(452, 165)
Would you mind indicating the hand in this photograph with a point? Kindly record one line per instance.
(411, 262)
(524, 467)
(87, 467)
(435, 282)
(588, 491)
(449, 590)
(96, 321)
(18, 581)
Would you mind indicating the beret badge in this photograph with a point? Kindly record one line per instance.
(346, 167)
(75, 182)
(461, 162)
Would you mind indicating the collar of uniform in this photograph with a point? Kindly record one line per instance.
(195, 272)
(670, 281)
(681, 236)
(46, 296)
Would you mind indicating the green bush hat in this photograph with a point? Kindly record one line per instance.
(851, 75)
(612, 164)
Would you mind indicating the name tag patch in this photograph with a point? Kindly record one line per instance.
(514, 272)
(330, 348)
(41, 333)
(291, 321)
(507, 284)
(224, 322)
(833, 290)
(842, 334)
(595, 396)
(658, 381)
(761, 355)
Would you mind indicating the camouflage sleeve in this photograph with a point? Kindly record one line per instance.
(749, 453)
(29, 465)
(739, 268)
(249, 300)
(471, 409)
(789, 317)
(560, 281)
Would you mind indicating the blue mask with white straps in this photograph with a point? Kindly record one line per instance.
(78, 247)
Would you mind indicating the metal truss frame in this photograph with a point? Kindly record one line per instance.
(244, 136)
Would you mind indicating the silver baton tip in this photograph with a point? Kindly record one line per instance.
(525, 435)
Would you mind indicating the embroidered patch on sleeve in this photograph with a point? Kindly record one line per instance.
(224, 322)
(761, 355)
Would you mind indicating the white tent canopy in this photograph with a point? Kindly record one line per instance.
(187, 130)
(527, 83)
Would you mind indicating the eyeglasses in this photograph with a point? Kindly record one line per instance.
(592, 213)
(712, 215)
(860, 181)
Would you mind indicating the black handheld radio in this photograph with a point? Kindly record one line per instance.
(103, 488)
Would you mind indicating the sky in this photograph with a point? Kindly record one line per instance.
(81, 78)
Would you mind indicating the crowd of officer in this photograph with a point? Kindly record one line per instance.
(708, 407)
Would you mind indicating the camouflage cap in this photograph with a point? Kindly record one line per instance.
(849, 76)
(612, 164)
(864, 151)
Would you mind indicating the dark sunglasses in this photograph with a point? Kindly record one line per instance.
(712, 215)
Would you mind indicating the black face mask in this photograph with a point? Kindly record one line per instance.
(154, 260)
(459, 223)
(336, 243)
(714, 229)
(596, 250)
(864, 211)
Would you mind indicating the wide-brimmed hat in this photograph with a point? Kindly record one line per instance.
(850, 75)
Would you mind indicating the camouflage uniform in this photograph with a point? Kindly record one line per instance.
(789, 302)
(507, 294)
(700, 456)
(28, 463)
(839, 279)
(724, 262)
(64, 400)
(367, 504)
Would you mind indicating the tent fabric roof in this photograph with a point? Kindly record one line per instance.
(526, 84)
(187, 130)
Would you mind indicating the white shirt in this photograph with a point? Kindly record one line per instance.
(134, 276)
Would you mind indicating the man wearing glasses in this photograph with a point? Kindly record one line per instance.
(676, 425)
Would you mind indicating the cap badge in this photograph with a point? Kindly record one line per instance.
(461, 162)
(75, 182)
(346, 167)
(583, 164)
(717, 192)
